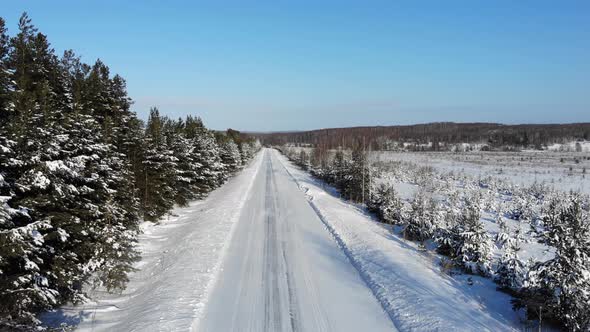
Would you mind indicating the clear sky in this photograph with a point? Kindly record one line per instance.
(286, 65)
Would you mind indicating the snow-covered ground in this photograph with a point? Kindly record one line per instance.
(583, 146)
(506, 181)
(560, 170)
(407, 281)
(274, 250)
(180, 258)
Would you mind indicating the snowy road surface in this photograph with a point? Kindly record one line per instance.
(284, 272)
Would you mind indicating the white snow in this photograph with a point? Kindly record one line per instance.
(583, 146)
(180, 259)
(40, 181)
(407, 281)
(326, 266)
(559, 170)
(56, 165)
(284, 272)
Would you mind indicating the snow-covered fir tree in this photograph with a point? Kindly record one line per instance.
(5, 75)
(338, 169)
(304, 160)
(357, 182)
(229, 153)
(392, 209)
(446, 234)
(252, 147)
(521, 208)
(206, 156)
(159, 170)
(187, 173)
(511, 270)
(565, 279)
(33, 135)
(377, 198)
(503, 232)
(420, 222)
(473, 246)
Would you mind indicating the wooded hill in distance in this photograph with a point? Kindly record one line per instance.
(441, 135)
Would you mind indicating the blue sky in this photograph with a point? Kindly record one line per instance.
(286, 65)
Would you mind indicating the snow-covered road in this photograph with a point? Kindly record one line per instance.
(284, 272)
(275, 250)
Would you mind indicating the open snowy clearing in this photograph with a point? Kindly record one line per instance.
(272, 250)
(559, 170)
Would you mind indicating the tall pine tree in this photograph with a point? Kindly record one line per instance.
(158, 176)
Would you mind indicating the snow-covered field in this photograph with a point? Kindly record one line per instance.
(502, 182)
(180, 258)
(508, 181)
(560, 170)
(582, 146)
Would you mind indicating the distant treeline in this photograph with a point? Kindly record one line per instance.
(440, 135)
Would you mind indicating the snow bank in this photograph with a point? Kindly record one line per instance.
(407, 281)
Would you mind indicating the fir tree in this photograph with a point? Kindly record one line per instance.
(30, 137)
(229, 154)
(304, 160)
(5, 75)
(419, 224)
(393, 209)
(387, 204)
(447, 240)
(502, 235)
(338, 170)
(377, 199)
(206, 156)
(566, 277)
(252, 146)
(158, 171)
(446, 235)
(187, 169)
(357, 176)
(510, 270)
(473, 242)
(100, 204)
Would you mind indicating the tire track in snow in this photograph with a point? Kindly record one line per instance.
(293, 302)
(273, 263)
(272, 312)
(248, 266)
(318, 315)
